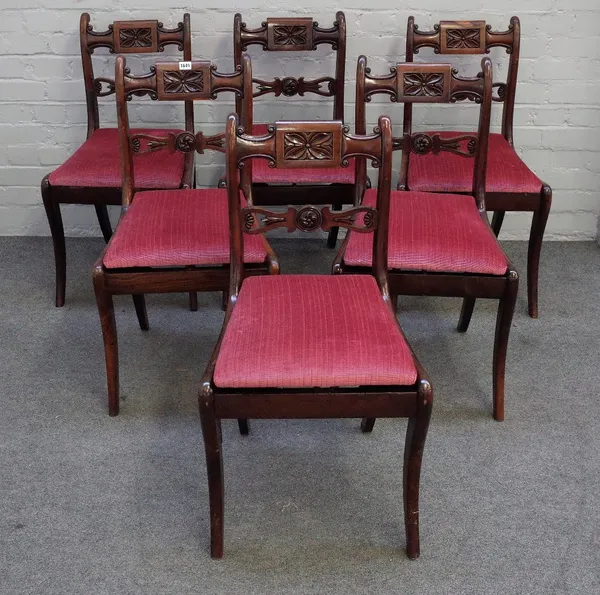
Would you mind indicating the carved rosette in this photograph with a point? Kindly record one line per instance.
(308, 219)
(289, 86)
(307, 146)
(421, 144)
(185, 142)
(423, 84)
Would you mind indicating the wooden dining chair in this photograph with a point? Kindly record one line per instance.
(272, 186)
(174, 240)
(92, 175)
(275, 358)
(511, 185)
(439, 245)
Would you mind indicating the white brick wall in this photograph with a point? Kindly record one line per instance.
(557, 119)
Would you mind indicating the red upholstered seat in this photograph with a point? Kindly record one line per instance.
(263, 174)
(305, 331)
(97, 163)
(176, 228)
(447, 172)
(432, 232)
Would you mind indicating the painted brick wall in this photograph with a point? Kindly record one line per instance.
(42, 109)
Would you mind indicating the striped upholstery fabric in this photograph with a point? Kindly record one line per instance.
(447, 172)
(97, 164)
(305, 331)
(165, 228)
(432, 232)
(263, 174)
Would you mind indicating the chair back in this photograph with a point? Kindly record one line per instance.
(410, 83)
(316, 144)
(127, 37)
(477, 38)
(297, 34)
(173, 81)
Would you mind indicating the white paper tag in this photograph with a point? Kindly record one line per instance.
(185, 66)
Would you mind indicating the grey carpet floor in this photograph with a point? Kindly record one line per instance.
(94, 505)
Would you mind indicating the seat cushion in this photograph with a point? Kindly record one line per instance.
(447, 172)
(432, 232)
(97, 164)
(165, 228)
(306, 331)
(263, 174)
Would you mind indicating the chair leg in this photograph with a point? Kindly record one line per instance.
(416, 433)
(139, 301)
(243, 426)
(333, 232)
(211, 430)
(366, 424)
(497, 220)
(538, 226)
(193, 301)
(58, 239)
(224, 300)
(465, 314)
(506, 308)
(395, 302)
(104, 221)
(106, 311)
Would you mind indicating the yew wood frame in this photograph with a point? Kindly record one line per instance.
(218, 403)
(538, 203)
(138, 281)
(100, 197)
(309, 38)
(468, 286)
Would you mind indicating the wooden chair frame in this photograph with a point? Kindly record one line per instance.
(299, 34)
(475, 37)
(128, 37)
(468, 286)
(138, 281)
(218, 403)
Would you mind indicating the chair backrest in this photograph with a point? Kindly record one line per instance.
(297, 34)
(410, 83)
(127, 37)
(318, 144)
(476, 38)
(172, 81)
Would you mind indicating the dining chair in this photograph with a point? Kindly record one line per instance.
(511, 185)
(301, 35)
(92, 175)
(439, 244)
(172, 240)
(275, 357)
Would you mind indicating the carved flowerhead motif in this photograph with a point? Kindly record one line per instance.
(307, 146)
(183, 81)
(289, 35)
(138, 37)
(463, 38)
(423, 84)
